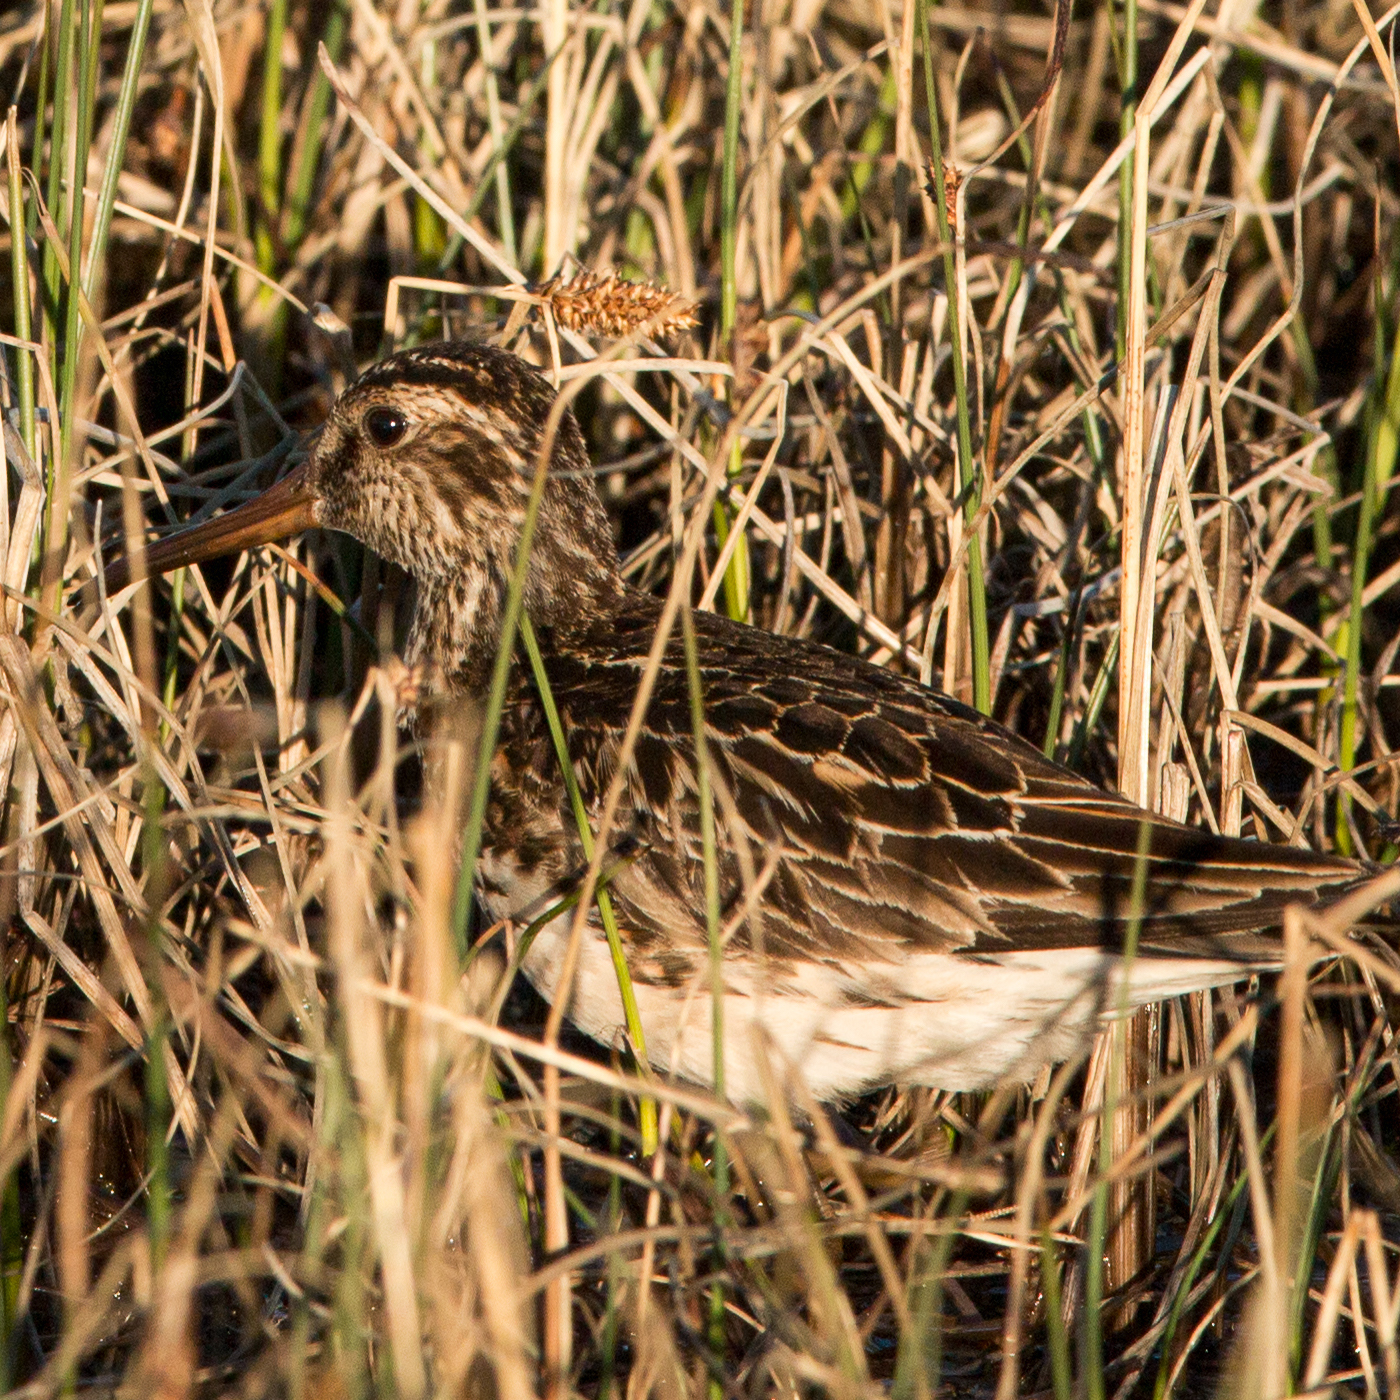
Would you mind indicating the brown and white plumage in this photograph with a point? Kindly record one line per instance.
(942, 903)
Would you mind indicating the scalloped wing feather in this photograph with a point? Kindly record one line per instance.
(897, 821)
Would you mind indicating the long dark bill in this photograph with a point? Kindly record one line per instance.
(284, 509)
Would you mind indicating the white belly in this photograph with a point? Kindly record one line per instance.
(951, 1022)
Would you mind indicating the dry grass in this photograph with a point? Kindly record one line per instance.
(260, 1132)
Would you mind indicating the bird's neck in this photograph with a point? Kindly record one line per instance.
(458, 619)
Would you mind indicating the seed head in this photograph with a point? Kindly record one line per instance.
(606, 304)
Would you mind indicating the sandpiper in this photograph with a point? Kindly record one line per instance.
(943, 904)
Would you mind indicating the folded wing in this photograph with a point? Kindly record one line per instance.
(883, 819)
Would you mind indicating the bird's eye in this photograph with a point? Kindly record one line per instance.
(385, 426)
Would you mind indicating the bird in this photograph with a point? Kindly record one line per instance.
(911, 892)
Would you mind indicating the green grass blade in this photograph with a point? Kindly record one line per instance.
(1054, 1317)
(11, 1230)
(1127, 83)
(736, 578)
(1183, 1292)
(1092, 1360)
(505, 219)
(116, 155)
(967, 468)
(308, 154)
(1057, 693)
(705, 798)
(56, 533)
(1097, 695)
(270, 137)
(1384, 439)
(58, 142)
(601, 897)
(499, 153)
(919, 1358)
(19, 278)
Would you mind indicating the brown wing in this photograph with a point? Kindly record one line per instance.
(900, 819)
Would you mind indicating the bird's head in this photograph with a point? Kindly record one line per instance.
(429, 459)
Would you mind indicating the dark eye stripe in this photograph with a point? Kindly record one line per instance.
(385, 426)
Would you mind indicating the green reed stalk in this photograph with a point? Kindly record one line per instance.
(307, 156)
(967, 469)
(1091, 1330)
(1098, 1211)
(58, 143)
(89, 60)
(317, 1210)
(116, 156)
(19, 278)
(711, 862)
(429, 231)
(1325, 467)
(1057, 693)
(1016, 267)
(736, 577)
(56, 532)
(495, 701)
(618, 1271)
(345, 1147)
(918, 1362)
(601, 897)
(11, 1230)
(1188, 1281)
(523, 116)
(709, 852)
(41, 106)
(155, 868)
(1093, 433)
(270, 137)
(729, 187)
(1321, 1177)
(1381, 449)
(1127, 82)
(1098, 693)
(170, 685)
(272, 309)
(1061, 1378)
(158, 1111)
(505, 219)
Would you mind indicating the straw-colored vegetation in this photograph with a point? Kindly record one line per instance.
(1095, 429)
